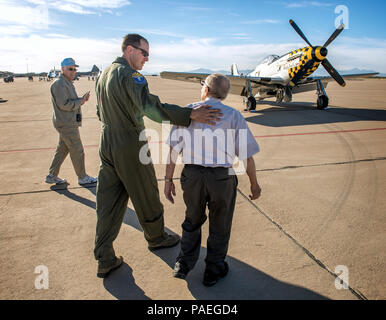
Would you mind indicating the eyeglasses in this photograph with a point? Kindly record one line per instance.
(203, 83)
(144, 52)
(72, 69)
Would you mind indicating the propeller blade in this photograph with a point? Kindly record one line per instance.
(300, 33)
(332, 71)
(334, 35)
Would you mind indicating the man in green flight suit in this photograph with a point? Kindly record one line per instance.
(123, 98)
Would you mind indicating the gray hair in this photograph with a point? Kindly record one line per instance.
(219, 85)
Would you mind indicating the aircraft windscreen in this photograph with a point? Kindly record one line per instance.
(270, 59)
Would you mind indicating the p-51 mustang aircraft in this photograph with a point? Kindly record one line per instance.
(281, 77)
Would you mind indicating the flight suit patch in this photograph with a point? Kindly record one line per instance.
(138, 78)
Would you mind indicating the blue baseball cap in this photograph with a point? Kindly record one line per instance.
(68, 62)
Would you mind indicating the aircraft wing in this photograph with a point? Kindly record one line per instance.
(238, 83)
(237, 80)
(184, 76)
(346, 76)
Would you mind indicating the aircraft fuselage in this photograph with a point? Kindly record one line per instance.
(293, 66)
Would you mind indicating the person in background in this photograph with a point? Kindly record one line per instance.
(67, 118)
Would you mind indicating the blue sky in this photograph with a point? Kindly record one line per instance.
(185, 35)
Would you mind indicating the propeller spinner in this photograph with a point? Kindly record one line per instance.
(320, 53)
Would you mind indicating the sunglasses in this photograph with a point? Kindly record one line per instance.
(72, 69)
(203, 83)
(144, 52)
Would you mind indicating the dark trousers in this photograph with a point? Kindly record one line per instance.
(215, 188)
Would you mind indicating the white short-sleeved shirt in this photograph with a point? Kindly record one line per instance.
(217, 145)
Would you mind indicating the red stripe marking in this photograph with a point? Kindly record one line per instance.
(321, 132)
(39, 149)
(266, 136)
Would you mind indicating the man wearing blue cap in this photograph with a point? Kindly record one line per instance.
(67, 118)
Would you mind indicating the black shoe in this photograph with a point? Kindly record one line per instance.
(211, 278)
(180, 270)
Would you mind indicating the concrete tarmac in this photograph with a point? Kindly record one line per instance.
(321, 213)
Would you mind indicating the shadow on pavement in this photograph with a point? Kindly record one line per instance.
(130, 217)
(62, 189)
(121, 284)
(91, 188)
(271, 116)
(243, 282)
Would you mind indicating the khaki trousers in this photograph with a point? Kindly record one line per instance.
(69, 142)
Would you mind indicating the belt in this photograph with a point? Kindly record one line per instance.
(197, 166)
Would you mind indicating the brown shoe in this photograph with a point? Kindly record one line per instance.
(170, 241)
(104, 272)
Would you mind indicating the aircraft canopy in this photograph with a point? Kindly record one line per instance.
(271, 58)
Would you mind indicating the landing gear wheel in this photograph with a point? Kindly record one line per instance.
(251, 104)
(322, 102)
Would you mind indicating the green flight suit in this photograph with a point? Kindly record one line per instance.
(123, 98)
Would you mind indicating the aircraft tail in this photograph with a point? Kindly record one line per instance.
(234, 70)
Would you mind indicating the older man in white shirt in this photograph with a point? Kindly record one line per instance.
(208, 179)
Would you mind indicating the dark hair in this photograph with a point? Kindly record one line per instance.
(132, 39)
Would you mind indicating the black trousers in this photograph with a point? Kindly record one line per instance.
(215, 188)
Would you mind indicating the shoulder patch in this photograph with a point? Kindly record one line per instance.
(138, 78)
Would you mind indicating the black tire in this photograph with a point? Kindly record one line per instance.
(251, 104)
(322, 102)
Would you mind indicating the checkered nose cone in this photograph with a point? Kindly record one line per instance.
(304, 61)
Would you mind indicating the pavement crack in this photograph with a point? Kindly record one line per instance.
(355, 292)
(47, 190)
(322, 164)
(259, 170)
